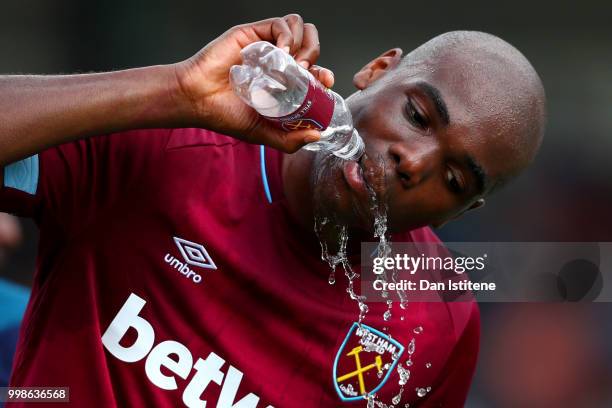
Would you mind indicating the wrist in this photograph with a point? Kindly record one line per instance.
(166, 103)
(180, 90)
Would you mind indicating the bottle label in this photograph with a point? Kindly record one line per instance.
(315, 112)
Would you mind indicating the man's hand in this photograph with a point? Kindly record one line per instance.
(204, 81)
(37, 112)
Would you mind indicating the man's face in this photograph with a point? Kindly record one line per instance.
(434, 145)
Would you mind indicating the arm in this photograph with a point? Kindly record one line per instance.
(37, 112)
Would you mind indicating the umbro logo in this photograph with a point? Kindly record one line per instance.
(193, 254)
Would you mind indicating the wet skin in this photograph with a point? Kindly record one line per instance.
(445, 131)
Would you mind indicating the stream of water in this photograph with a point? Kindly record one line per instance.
(326, 225)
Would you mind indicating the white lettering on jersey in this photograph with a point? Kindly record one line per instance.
(206, 370)
(126, 318)
(182, 268)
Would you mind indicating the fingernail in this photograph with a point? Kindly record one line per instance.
(311, 138)
(304, 64)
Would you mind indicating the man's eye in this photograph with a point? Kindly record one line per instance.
(414, 116)
(453, 182)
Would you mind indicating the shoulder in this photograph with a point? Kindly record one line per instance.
(465, 314)
(424, 234)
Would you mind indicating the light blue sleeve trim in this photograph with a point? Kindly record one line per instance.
(13, 302)
(23, 175)
(264, 176)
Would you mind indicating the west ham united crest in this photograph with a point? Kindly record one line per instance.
(304, 123)
(364, 362)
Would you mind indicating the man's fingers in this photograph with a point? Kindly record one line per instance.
(311, 49)
(287, 142)
(293, 141)
(275, 30)
(289, 33)
(323, 75)
(296, 25)
(282, 34)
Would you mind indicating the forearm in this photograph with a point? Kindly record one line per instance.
(37, 112)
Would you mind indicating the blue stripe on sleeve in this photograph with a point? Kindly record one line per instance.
(23, 175)
(264, 175)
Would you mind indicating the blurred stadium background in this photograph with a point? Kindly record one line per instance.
(532, 355)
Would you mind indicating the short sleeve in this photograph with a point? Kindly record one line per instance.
(69, 184)
(19, 184)
(454, 384)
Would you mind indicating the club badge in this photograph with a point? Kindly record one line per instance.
(364, 362)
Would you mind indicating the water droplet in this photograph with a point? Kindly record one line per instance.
(387, 315)
(398, 397)
(332, 278)
(404, 374)
(428, 365)
(421, 392)
(411, 346)
(418, 330)
(428, 389)
(402, 318)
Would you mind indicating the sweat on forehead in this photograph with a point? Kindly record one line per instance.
(496, 86)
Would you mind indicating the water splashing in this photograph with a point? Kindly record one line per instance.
(404, 374)
(375, 174)
(396, 400)
(326, 226)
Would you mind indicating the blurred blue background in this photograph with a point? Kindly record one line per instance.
(533, 355)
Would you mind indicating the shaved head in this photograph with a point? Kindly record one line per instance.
(443, 127)
(497, 84)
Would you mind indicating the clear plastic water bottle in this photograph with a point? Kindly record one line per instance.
(275, 85)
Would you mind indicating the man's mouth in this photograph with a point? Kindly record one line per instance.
(353, 174)
(366, 178)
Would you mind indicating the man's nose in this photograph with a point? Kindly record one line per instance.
(414, 162)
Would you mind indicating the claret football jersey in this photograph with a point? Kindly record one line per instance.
(170, 274)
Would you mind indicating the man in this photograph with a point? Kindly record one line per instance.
(178, 267)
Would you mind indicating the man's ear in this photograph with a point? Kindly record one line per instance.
(377, 67)
(477, 204)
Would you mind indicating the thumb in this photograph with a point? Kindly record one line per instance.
(288, 142)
